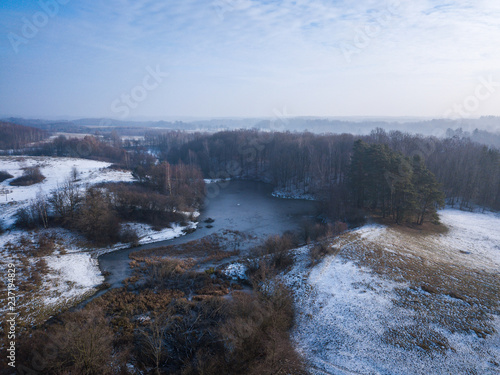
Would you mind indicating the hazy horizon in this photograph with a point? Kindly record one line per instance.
(249, 59)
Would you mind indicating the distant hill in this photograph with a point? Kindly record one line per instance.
(15, 136)
(485, 130)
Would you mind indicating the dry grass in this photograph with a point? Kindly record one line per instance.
(198, 248)
(427, 228)
(32, 272)
(208, 250)
(439, 291)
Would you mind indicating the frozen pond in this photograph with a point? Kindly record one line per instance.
(244, 206)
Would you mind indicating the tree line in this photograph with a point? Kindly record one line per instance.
(318, 164)
(13, 136)
(468, 172)
(165, 195)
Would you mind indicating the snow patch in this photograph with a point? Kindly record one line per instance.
(236, 271)
(296, 194)
(71, 276)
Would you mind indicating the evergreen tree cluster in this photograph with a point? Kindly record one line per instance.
(396, 186)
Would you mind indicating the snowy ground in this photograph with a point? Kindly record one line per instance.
(365, 311)
(73, 269)
(71, 276)
(56, 172)
(72, 266)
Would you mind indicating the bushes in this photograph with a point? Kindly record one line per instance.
(5, 176)
(277, 247)
(256, 334)
(142, 204)
(46, 245)
(96, 219)
(312, 231)
(35, 215)
(81, 345)
(271, 257)
(129, 236)
(319, 251)
(322, 232)
(31, 176)
(65, 202)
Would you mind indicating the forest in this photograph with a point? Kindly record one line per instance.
(13, 136)
(468, 172)
(322, 165)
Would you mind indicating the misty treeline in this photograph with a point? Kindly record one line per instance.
(13, 136)
(468, 173)
(89, 147)
(480, 136)
(164, 194)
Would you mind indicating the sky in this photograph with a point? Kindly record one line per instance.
(247, 58)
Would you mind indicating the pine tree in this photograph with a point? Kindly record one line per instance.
(381, 179)
(428, 192)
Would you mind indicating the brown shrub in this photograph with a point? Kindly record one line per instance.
(256, 334)
(31, 176)
(82, 344)
(129, 236)
(319, 251)
(46, 245)
(271, 257)
(4, 175)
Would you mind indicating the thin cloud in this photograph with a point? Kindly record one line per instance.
(287, 51)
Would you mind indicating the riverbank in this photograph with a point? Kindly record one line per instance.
(243, 213)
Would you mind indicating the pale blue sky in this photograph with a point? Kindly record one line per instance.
(248, 58)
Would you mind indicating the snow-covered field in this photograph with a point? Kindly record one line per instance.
(365, 311)
(56, 172)
(72, 275)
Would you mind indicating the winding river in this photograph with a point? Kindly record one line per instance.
(244, 206)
